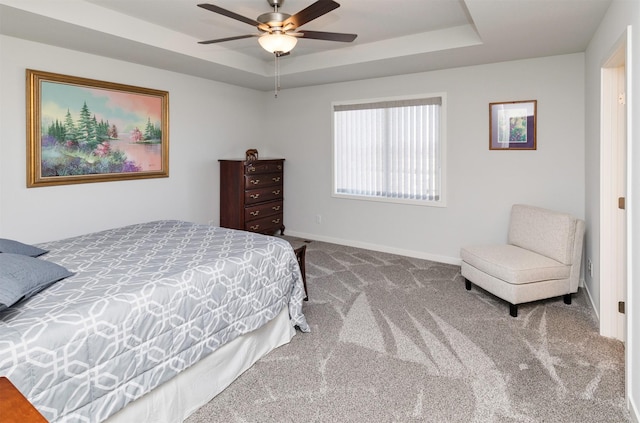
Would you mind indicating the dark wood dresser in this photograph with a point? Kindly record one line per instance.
(251, 195)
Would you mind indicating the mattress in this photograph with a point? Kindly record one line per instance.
(146, 302)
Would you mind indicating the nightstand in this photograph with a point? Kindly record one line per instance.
(14, 407)
(300, 256)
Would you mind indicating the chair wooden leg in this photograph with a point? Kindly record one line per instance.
(467, 284)
(567, 298)
(513, 310)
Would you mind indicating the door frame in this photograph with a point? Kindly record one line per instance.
(615, 70)
(613, 157)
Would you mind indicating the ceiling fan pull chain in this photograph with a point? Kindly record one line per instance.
(277, 78)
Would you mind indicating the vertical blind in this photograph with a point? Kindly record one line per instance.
(389, 149)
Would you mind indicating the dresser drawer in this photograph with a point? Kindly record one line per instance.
(262, 194)
(262, 179)
(265, 225)
(262, 210)
(263, 167)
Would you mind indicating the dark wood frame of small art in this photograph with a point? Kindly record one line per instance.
(82, 130)
(513, 125)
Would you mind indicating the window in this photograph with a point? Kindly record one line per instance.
(390, 150)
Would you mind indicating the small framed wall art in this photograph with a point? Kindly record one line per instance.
(512, 125)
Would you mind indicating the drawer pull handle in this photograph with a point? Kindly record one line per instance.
(254, 213)
(276, 179)
(279, 167)
(275, 221)
(254, 227)
(254, 196)
(276, 208)
(255, 181)
(251, 169)
(275, 192)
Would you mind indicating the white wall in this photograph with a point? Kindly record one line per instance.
(621, 14)
(481, 184)
(208, 121)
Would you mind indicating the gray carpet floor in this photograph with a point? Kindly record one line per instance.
(397, 339)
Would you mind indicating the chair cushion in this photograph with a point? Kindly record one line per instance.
(513, 264)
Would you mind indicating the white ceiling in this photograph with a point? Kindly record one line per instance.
(394, 37)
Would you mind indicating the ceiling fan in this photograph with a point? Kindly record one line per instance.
(278, 31)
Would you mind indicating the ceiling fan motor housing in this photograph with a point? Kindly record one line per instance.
(273, 19)
(275, 3)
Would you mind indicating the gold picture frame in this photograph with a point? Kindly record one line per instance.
(82, 130)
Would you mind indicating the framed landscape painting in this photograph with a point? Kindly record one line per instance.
(512, 125)
(82, 130)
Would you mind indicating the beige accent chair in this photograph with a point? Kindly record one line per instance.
(540, 260)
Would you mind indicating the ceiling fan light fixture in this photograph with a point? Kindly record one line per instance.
(277, 42)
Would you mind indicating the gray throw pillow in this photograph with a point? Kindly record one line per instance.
(23, 276)
(15, 247)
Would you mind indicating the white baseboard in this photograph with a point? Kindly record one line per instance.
(377, 247)
(593, 305)
(633, 411)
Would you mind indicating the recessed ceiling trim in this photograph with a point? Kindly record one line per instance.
(407, 38)
(107, 21)
(426, 42)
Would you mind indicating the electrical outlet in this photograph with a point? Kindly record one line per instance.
(589, 267)
(318, 219)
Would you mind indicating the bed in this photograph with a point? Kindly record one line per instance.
(156, 319)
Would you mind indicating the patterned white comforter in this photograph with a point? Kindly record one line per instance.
(147, 301)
